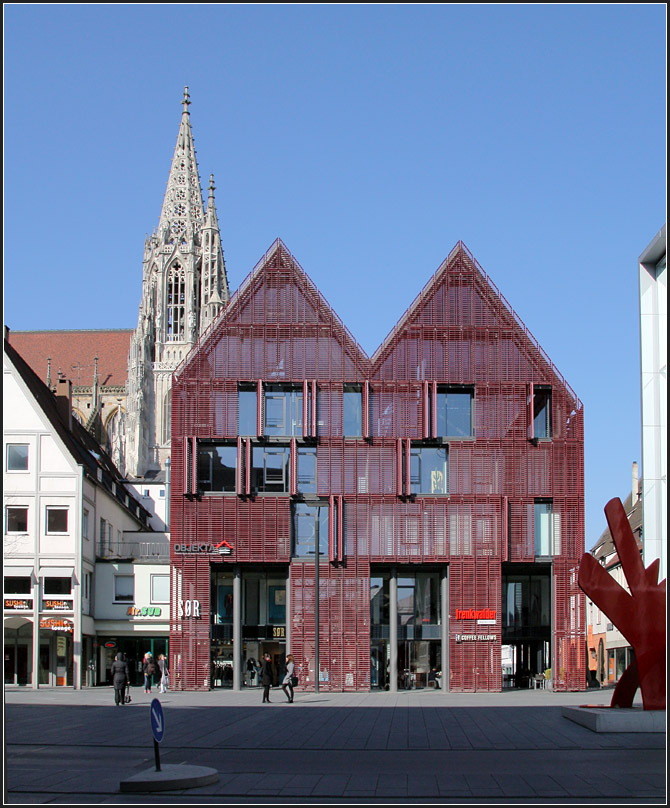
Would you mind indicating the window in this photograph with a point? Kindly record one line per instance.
(17, 457)
(16, 520)
(124, 589)
(84, 523)
(57, 586)
(541, 413)
(454, 412)
(429, 471)
(175, 303)
(103, 533)
(167, 417)
(217, 468)
(56, 520)
(283, 411)
(160, 588)
(307, 470)
(270, 469)
(419, 599)
(246, 411)
(352, 413)
(310, 530)
(15, 585)
(88, 579)
(543, 527)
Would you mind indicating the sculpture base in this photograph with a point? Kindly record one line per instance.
(599, 718)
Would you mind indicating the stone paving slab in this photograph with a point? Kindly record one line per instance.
(69, 747)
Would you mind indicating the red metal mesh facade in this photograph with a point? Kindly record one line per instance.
(459, 330)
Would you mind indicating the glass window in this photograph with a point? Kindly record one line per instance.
(352, 413)
(283, 411)
(160, 588)
(428, 470)
(16, 520)
(543, 524)
(217, 467)
(56, 520)
(454, 412)
(379, 600)
(57, 586)
(246, 411)
(307, 470)
(270, 469)
(17, 457)
(15, 585)
(124, 588)
(418, 599)
(84, 523)
(542, 413)
(310, 530)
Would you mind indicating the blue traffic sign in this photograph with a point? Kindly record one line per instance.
(157, 720)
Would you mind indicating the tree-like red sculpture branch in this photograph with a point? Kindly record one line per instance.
(639, 616)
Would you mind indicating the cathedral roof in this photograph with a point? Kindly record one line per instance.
(73, 354)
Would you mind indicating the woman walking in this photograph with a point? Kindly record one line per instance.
(164, 682)
(149, 671)
(287, 684)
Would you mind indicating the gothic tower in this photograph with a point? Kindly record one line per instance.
(184, 287)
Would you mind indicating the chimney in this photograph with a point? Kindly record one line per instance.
(635, 490)
(64, 400)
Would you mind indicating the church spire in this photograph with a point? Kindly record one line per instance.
(214, 289)
(182, 213)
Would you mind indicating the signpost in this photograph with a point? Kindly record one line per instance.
(157, 729)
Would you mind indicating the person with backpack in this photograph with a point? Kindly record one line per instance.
(149, 668)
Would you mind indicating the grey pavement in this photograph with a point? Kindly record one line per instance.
(419, 747)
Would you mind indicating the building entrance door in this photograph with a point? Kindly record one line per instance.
(16, 664)
(418, 663)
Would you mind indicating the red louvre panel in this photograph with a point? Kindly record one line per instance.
(340, 528)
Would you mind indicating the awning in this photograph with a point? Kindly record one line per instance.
(56, 572)
(18, 572)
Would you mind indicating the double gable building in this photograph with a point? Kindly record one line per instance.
(413, 519)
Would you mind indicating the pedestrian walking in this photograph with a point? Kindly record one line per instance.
(120, 678)
(149, 668)
(289, 679)
(266, 677)
(165, 681)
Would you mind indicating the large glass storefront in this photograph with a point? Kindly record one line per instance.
(263, 616)
(418, 619)
(526, 625)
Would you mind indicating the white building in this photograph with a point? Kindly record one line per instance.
(76, 542)
(654, 398)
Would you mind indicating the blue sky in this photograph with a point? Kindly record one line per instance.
(371, 139)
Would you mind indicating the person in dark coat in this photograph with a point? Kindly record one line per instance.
(266, 677)
(120, 678)
(149, 668)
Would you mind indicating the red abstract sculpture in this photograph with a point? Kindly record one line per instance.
(639, 616)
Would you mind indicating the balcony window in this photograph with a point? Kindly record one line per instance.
(352, 413)
(270, 469)
(454, 412)
(307, 470)
(217, 468)
(283, 411)
(17, 457)
(429, 472)
(310, 530)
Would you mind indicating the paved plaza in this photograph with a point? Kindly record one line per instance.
(420, 747)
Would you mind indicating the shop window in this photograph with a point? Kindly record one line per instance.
(57, 586)
(124, 588)
(17, 457)
(307, 470)
(18, 585)
(270, 469)
(246, 411)
(283, 411)
(429, 470)
(160, 588)
(541, 413)
(16, 520)
(352, 412)
(543, 527)
(217, 468)
(455, 412)
(56, 520)
(310, 530)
